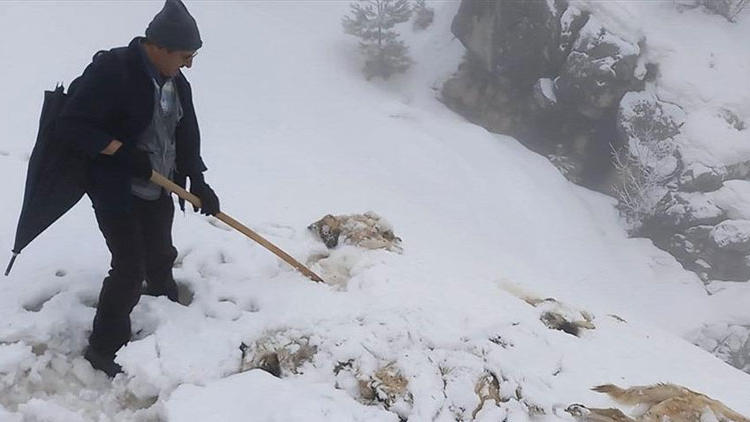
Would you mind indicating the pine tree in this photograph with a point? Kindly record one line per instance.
(373, 22)
(424, 15)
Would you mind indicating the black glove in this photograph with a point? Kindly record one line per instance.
(135, 160)
(209, 200)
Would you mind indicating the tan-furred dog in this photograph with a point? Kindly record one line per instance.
(663, 402)
(366, 230)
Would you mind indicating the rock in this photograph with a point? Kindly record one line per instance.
(514, 40)
(739, 170)
(544, 93)
(727, 8)
(680, 210)
(732, 119)
(490, 101)
(728, 342)
(572, 89)
(598, 71)
(571, 22)
(647, 127)
(644, 118)
(690, 248)
(732, 235)
(700, 178)
(691, 244)
(714, 252)
(728, 265)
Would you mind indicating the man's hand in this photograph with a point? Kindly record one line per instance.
(135, 160)
(209, 200)
(112, 147)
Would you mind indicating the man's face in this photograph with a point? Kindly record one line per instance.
(168, 63)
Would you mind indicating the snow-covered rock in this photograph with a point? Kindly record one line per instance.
(733, 235)
(729, 342)
(727, 8)
(598, 71)
(622, 82)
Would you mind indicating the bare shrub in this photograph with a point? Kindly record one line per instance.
(644, 171)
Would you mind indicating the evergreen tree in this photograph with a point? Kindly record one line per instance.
(373, 22)
(424, 15)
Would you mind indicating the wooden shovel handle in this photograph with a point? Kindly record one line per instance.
(231, 222)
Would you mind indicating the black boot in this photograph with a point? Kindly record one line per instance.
(169, 290)
(102, 362)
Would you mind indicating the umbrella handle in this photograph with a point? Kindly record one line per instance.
(10, 264)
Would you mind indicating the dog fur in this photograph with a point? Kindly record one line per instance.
(663, 402)
(554, 314)
(366, 230)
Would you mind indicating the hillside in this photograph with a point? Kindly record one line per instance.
(291, 131)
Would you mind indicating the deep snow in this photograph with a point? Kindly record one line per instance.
(292, 131)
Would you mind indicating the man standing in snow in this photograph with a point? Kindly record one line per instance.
(132, 112)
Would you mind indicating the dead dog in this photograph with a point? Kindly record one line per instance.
(554, 314)
(366, 230)
(663, 402)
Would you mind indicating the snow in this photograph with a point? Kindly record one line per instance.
(702, 69)
(734, 199)
(729, 233)
(548, 89)
(266, 398)
(291, 132)
(594, 33)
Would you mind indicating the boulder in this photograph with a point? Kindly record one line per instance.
(647, 127)
(732, 235)
(514, 40)
(599, 70)
(727, 8)
(642, 117)
(571, 22)
(714, 252)
(680, 210)
(544, 93)
(697, 177)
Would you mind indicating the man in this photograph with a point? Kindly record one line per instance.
(132, 112)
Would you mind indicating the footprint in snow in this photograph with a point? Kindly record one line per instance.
(185, 294)
(36, 303)
(280, 230)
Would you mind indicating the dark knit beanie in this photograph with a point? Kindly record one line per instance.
(173, 28)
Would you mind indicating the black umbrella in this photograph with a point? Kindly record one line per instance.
(54, 180)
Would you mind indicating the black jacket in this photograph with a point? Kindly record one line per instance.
(114, 99)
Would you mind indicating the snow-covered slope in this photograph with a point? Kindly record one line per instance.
(291, 132)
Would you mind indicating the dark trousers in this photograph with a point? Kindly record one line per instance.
(140, 242)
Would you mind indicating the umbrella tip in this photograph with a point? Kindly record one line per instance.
(10, 264)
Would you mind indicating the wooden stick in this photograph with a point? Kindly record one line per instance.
(182, 193)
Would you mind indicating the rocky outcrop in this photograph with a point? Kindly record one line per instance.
(727, 8)
(513, 40)
(567, 86)
(598, 71)
(728, 342)
(683, 207)
(548, 74)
